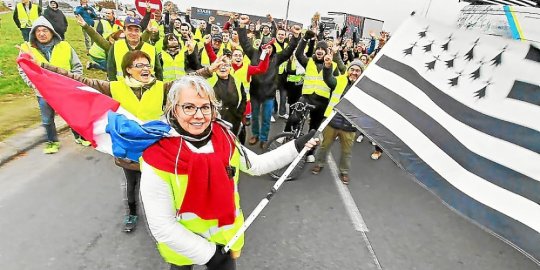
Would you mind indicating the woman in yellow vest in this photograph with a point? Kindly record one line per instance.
(189, 184)
(176, 59)
(141, 95)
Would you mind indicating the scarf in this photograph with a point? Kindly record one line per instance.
(210, 188)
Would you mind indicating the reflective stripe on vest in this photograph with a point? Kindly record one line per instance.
(121, 48)
(342, 81)
(240, 75)
(173, 68)
(314, 82)
(206, 228)
(60, 56)
(213, 80)
(27, 19)
(149, 107)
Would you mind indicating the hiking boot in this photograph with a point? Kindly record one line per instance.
(360, 138)
(51, 147)
(316, 169)
(344, 178)
(253, 140)
(376, 155)
(130, 222)
(82, 142)
(310, 159)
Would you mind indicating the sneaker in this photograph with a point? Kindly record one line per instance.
(82, 142)
(272, 119)
(376, 155)
(51, 147)
(253, 140)
(316, 169)
(360, 138)
(344, 178)
(130, 222)
(310, 159)
(285, 116)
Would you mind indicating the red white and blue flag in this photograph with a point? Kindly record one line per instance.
(460, 112)
(96, 117)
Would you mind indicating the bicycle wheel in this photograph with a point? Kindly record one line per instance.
(278, 141)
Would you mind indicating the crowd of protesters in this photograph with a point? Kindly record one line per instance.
(256, 69)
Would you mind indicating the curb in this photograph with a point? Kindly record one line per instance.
(21, 142)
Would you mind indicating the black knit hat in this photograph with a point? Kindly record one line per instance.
(322, 45)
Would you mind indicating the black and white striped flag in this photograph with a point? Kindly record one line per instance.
(460, 111)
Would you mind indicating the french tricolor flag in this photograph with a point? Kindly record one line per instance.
(96, 117)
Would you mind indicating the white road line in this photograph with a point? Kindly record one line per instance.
(345, 194)
(352, 209)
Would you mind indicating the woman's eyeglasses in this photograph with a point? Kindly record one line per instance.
(141, 65)
(190, 109)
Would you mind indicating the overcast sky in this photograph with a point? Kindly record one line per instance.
(392, 12)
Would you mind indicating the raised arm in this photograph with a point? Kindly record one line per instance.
(100, 85)
(247, 47)
(328, 75)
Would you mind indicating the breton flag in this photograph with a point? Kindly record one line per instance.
(460, 111)
(96, 117)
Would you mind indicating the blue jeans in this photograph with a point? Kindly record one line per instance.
(267, 108)
(98, 63)
(47, 120)
(25, 32)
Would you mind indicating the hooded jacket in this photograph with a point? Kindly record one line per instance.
(263, 86)
(76, 66)
(57, 19)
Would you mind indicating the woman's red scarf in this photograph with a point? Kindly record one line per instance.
(210, 189)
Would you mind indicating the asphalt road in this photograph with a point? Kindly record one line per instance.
(65, 211)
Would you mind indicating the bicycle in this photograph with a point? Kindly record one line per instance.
(300, 110)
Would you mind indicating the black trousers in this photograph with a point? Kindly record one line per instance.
(133, 178)
(227, 265)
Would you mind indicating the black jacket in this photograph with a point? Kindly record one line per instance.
(57, 19)
(263, 86)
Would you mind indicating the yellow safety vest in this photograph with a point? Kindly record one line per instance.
(121, 48)
(27, 19)
(213, 80)
(60, 55)
(108, 29)
(278, 50)
(314, 82)
(342, 81)
(173, 68)
(206, 228)
(149, 107)
(240, 75)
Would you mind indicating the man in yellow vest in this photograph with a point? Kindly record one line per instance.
(46, 46)
(24, 15)
(338, 127)
(315, 91)
(133, 33)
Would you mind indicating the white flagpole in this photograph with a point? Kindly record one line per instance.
(262, 204)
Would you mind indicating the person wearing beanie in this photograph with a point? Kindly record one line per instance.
(56, 18)
(338, 127)
(315, 91)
